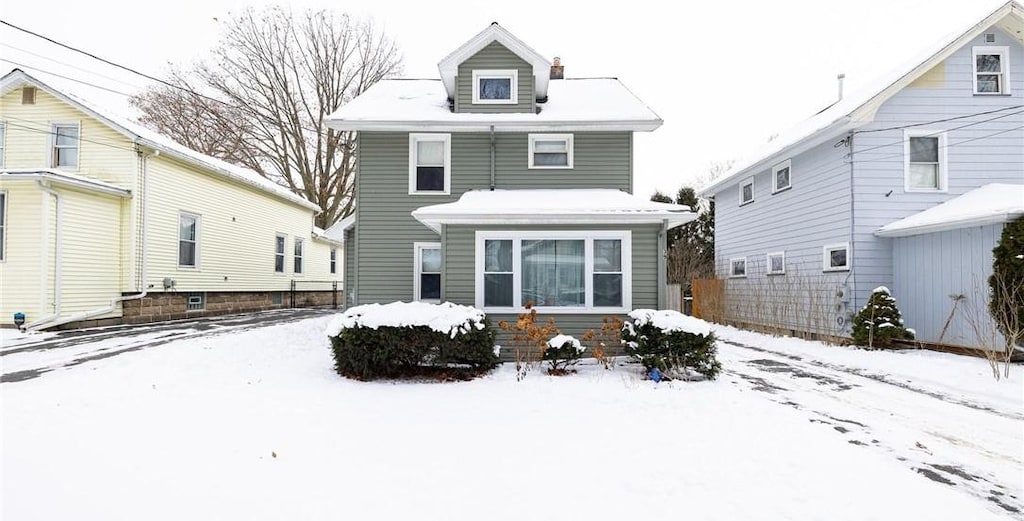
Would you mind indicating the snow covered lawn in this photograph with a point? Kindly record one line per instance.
(256, 425)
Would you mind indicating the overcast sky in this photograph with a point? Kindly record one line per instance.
(723, 75)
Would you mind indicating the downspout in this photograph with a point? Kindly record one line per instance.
(492, 158)
(852, 305)
(662, 252)
(143, 159)
(44, 186)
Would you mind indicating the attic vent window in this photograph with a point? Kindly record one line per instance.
(991, 70)
(990, 38)
(495, 86)
(28, 96)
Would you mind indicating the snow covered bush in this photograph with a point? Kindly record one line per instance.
(671, 342)
(403, 339)
(561, 353)
(879, 322)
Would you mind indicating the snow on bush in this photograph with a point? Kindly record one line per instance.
(669, 321)
(450, 319)
(562, 352)
(672, 342)
(560, 341)
(879, 322)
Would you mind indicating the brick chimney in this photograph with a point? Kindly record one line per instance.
(557, 70)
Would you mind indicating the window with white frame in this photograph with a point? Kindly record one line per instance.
(991, 70)
(65, 145)
(836, 257)
(496, 86)
(279, 248)
(430, 160)
(334, 260)
(297, 255)
(195, 301)
(556, 271)
(3, 225)
(781, 176)
(427, 284)
(924, 157)
(747, 191)
(776, 263)
(550, 151)
(188, 240)
(738, 267)
(3, 142)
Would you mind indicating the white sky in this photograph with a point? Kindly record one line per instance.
(723, 75)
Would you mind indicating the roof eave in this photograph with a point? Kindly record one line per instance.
(80, 184)
(673, 219)
(483, 126)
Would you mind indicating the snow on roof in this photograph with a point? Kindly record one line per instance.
(449, 66)
(552, 206)
(147, 137)
(992, 203)
(573, 104)
(856, 109)
(336, 232)
(66, 178)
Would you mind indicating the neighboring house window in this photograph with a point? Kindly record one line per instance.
(3, 225)
(427, 285)
(550, 151)
(65, 146)
(196, 301)
(776, 263)
(188, 240)
(430, 159)
(991, 70)
(3, 143)
(836, 257)
(279, 245)
(297, 255)
(557, 271)
(496, 86)
(781, 177)
(747, 191)
(925, 168)
(276, 298)
(334, 260)
(738, 267)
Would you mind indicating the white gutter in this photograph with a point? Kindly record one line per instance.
(671, 220)
(56, 178)
(499, 126)
(43, 185)
(947, 226)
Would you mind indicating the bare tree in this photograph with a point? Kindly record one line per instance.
(262, 98)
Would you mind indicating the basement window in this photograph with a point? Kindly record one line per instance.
(196, 301)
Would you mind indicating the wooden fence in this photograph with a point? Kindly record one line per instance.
(709, 299)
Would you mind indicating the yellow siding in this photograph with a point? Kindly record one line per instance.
(91, 251)
(20, 271)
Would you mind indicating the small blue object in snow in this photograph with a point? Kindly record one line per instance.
(654, 375)
(19, 319)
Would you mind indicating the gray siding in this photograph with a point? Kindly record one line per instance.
(929, 268)
(494, 56)
(386, 230)
(350, 266)
(799, 221)
(982, 153)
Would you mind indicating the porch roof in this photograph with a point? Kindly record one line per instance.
(989, 204)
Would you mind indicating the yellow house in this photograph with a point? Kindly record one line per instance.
(103, 221)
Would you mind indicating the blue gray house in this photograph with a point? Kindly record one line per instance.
(501, 184)
(906, 185)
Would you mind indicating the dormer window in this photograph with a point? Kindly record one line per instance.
(496, 87)
(991, 70)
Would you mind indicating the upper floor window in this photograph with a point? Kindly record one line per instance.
(496, 86)
(747, 191)
(991, 70)
(924, 162)
(298, 255)
(550, 151)
(836, 257)
(279, 241)
(188, 240)
(334, 260)
(782, 176)
(65, 146)
(430, 159)
(427, 284)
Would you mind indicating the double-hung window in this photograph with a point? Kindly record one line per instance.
(991, 70)
(65, 145)
(430, 159)
(555, 271)
(427, 284)
(188, 240)
(496, 87)
(297, 255)
(836, 257)
(747, 191)
(782, 177)
(924, 169)
(334, 260)
(279, 246)
(550, 151)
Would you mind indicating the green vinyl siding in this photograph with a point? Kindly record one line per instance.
(494, 56)
(350, 266)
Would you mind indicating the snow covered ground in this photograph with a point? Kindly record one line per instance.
(254, 424)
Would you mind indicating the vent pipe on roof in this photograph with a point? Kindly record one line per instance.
(557, 70)
(841, 77)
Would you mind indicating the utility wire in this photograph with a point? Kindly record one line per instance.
(954, 118)
(58, 62)
(69, 78)
(53, 133)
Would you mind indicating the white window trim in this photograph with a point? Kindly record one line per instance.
(775, 187)
(479, 74)
(533, 138)
(418, 247)
(826, 259)
(415, 137)
(301, 257)
(588, 236)
(188, 297)
(199, 237)
(943, 168)
(745, 182)
(332, 261)
(1004, 59)
(768, 265)
(284, 254)
(52, 156)
(3, 226)
(745, 271)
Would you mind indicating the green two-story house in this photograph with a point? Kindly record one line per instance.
(502, 184)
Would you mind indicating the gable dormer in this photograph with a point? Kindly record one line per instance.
(495, 72)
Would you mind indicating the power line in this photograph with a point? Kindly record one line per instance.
(938, 132)
(53, 133)
(954, 118)
(87, 71)
(69, 78)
